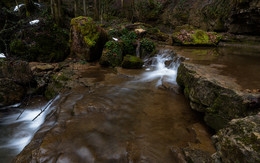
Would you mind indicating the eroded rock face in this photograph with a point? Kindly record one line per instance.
(15, 78)
(219, 15)
(219, 97)
(239, 141)
(86, 39)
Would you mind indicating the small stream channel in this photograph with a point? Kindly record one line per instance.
(129, 117)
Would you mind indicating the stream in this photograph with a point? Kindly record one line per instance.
(127, 117)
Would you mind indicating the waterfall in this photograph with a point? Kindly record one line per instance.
(163, 67)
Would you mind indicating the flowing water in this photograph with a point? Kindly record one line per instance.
(18, 129)
(127, 117)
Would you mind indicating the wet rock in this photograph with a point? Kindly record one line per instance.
(132, 62)
(16, 78)
(86, 39)
(190, 36)
(197, 156)
(10, 92)
(239, 141)
(166, 84)
(219, 97)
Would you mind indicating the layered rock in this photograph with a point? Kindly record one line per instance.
(239, 141)
(217, 96)
(86, 39)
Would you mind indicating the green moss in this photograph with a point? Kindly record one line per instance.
(88, 29)
(148, 45)
(112, 54)
(200, 37)
(50, 93)
(132, 62)
(196, 37)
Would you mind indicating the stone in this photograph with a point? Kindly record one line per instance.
(10, 92)
(86, 39)
(217, 96)
(132, 62)
(190, 36)
(239, 141)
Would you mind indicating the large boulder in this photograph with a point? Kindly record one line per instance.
(86, 39)
(190, 36)
(217, 96)
(239, 141)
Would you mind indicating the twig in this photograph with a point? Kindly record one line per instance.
(45, 108)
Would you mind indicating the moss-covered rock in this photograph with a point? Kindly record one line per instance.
(217, 96)
(191, 36)
(86, 39)
(132, 62)
(239, 141)
(112, 54)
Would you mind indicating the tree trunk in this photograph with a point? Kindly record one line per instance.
(75, 8)
(96, 15)
(57, 11)
(29, 7)
(52, 8)
(84, 8)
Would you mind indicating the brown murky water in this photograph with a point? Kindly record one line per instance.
(240, 63)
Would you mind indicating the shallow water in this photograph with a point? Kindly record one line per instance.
(240, 63)
(127, 117)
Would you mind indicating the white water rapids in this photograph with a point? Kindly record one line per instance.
(19, 131)
(164, 67)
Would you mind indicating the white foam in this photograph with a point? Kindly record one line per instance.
(2, 55)
(16, 7)
(159, 70)
(34, 22)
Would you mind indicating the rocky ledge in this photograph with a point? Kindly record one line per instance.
(217, 96)
(240, 141)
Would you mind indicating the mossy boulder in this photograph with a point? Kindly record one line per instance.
(132, 62)
(112, 54)
(239, 141)
(195, 37)
(86, 39)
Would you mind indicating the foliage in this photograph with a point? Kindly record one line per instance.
(112, 54)
(147, 45)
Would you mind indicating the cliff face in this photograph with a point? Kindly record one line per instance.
(235, 16)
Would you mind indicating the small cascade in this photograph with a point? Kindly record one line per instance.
(162, 67)
(21, 127)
